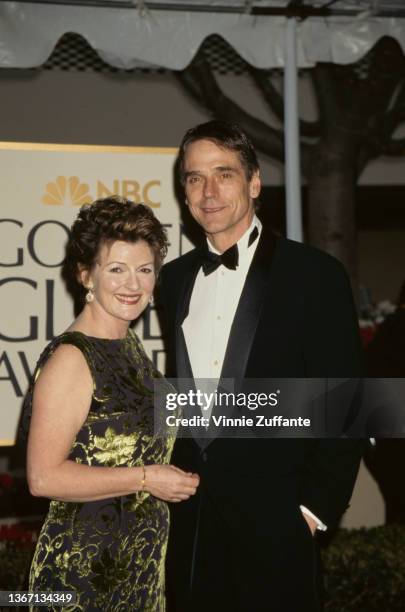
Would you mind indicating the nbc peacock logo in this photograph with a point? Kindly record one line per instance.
(67, 190)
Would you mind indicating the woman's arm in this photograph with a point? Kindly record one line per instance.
(61, 402)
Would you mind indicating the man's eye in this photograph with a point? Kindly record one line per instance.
(226, 175)
(193, 179)
(116, 269)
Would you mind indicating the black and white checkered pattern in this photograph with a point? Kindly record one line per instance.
(222, 57)
(74, 53)
(362, 68)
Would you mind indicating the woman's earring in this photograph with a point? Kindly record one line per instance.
(151, 300)
(89, 295)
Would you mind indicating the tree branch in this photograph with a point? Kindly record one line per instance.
(275, 100)
(307, 151)
(273, 97)
(187, 79)
(390, 121)
(394, 147)
(379, 134)
(325, 91)
(366, 154)
(199, 81)
(396, 114)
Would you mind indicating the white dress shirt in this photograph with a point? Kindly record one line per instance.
(212, 309)
(213, 305)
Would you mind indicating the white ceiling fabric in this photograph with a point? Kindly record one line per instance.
(126, 38)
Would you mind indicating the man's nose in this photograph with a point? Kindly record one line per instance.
(209, 187)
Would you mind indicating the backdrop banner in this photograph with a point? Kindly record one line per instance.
(42, 187)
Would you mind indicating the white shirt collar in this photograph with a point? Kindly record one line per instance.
(243, 240)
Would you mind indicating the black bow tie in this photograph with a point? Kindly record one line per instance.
(229, 258)
(212, 261)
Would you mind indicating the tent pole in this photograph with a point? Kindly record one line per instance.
(292, 137)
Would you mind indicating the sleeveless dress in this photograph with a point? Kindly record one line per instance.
(111, 552)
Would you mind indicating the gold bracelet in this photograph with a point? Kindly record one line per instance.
(143, 481)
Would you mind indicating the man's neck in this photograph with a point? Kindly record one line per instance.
(222, 241)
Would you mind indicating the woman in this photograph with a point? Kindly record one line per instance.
(91, 446)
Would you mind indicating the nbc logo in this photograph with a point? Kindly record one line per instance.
(67, 190)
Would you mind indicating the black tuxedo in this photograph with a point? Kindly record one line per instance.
(242, 543)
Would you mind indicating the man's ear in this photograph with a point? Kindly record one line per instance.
(255, 185)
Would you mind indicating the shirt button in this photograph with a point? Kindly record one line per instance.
(215, 362)
(218, 317)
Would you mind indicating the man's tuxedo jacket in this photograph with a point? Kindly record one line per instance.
(295, 318)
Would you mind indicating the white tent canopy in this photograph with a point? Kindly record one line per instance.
(169, 33)
(135, 37)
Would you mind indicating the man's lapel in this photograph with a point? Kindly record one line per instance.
(248, 312)
(246, 318)
(184, 370)
(183, 365)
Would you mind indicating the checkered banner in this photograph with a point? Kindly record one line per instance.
(43, 187)
(73, 53)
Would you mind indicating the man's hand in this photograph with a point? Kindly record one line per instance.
(311, 523)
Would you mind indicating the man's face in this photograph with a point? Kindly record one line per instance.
(219, 194)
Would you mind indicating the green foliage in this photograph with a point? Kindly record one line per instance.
(17, 543)
(365, 570)
(15, 561)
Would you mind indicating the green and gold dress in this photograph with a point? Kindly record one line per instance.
(110, 552)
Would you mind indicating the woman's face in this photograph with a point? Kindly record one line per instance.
(123, 279)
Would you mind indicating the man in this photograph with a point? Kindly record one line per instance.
(246, 541)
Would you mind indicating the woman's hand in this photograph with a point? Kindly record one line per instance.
(169, 483)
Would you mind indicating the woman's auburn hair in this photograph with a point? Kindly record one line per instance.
(105, 221)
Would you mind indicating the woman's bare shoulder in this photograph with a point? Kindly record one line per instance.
(66, 366)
